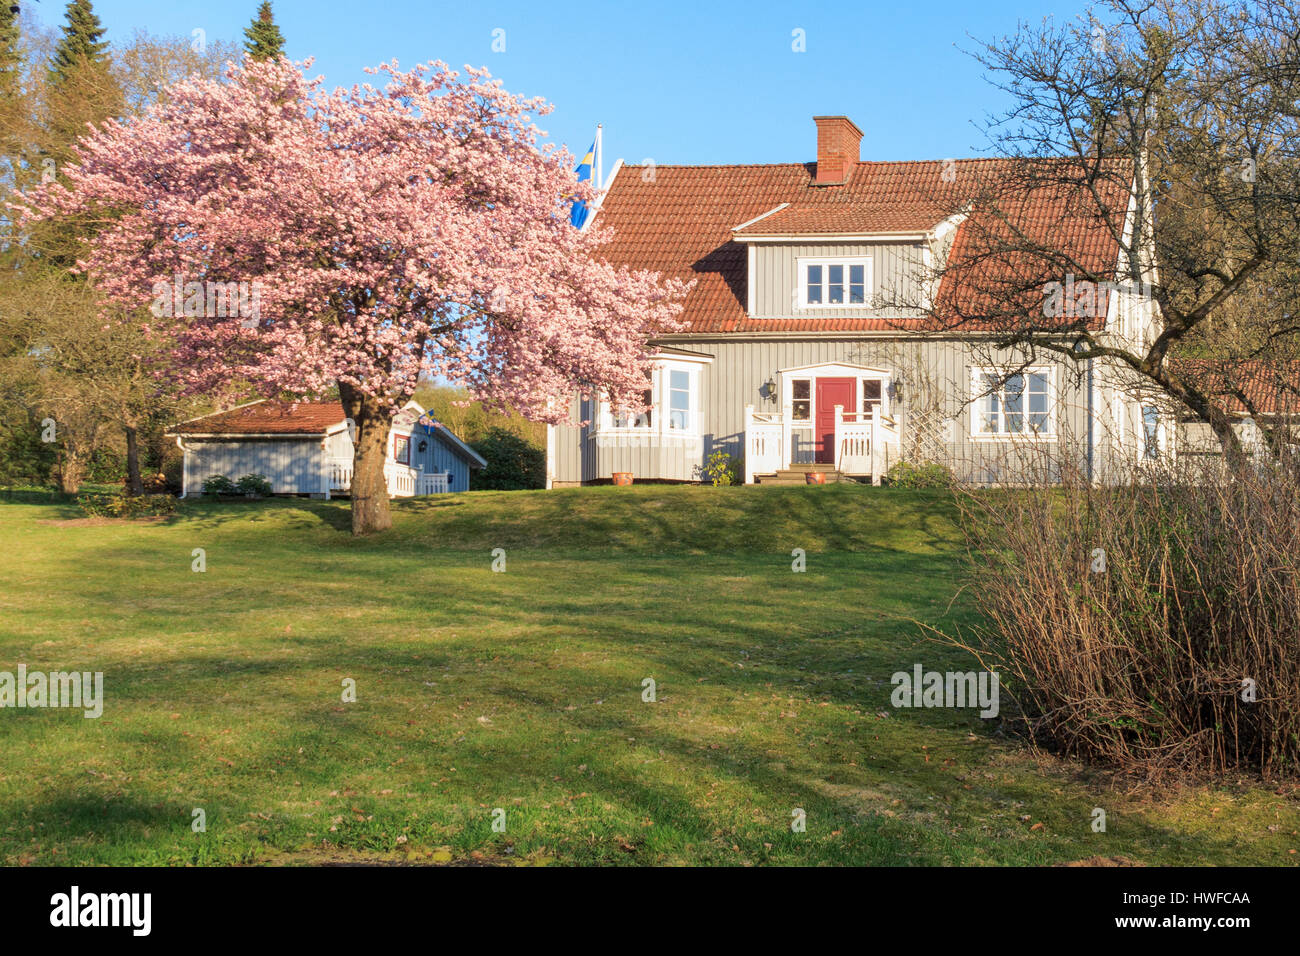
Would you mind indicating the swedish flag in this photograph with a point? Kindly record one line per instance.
(580, 210)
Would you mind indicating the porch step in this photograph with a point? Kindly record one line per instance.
(798, 476)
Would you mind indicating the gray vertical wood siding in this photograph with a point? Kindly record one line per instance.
(895, 268)
(293, 466)
(933, 379)
(928, 373)
(296, 465)
(438, 457)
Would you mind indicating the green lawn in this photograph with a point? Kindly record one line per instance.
(522, 691)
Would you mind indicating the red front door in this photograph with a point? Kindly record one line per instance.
(831, 392)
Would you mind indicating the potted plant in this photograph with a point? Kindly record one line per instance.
(816, 477)
(622, 477)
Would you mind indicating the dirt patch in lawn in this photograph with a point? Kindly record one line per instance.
(100, 520)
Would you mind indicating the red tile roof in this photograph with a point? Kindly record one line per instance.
(1272, 388)
(679, 220)
(268, 418)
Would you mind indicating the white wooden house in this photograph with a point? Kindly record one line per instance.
(305, 448)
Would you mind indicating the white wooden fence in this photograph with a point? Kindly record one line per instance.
(764, 444)
(403, 480)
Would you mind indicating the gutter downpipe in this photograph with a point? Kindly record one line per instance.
(1091, 425)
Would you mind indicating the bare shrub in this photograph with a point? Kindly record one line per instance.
(1153, 626)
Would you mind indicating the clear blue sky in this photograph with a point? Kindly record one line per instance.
(673, 81)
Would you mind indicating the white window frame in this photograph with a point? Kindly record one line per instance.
(868, 286)
(979, 394)
(660, 396)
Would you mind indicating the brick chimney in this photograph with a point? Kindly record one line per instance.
(839, 147)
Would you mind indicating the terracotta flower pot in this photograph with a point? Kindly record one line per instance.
(816, 478)
(622, 477)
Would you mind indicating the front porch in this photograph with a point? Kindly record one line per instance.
(859, 445)
(403, 480)
(834, 414)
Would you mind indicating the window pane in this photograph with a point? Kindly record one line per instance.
(645, 419)
(814, 284)
(1013, 404)
(801, 410)
(1038, 417)
(679, 399)
(989, 410)
(871, 393)
(989, 418)
(857, 284)
(1150, 431)
(802, 388)
(835, 284)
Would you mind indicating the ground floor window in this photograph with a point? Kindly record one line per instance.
(801, 400)
(873, 395)
(672, 403)
(1150, 432)
(1014, 403)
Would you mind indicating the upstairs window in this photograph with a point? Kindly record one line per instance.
(834, 283)
(1013, 405)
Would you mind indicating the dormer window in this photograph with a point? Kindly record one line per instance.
(834, 283)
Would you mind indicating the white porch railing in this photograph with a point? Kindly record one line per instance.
(765, 442)
(855, 442)
(403, 480)
(862, 442)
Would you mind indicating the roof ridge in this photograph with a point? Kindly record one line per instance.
(860, 162)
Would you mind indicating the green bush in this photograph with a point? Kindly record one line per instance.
(126, 506)
(721, 469)
(905, 474)
(106, 467)
(218, 485)
(512, 463)
(253, 486)
(95, 505)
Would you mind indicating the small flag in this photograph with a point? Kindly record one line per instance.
(580, 209)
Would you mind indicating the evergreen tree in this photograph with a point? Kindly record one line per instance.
(265, 41)
(81, 43)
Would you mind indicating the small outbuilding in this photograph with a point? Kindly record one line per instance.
(305, 448)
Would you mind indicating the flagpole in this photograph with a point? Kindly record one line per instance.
(599, 146)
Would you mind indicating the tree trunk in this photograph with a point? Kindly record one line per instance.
(370, 512)
(134, 486)
(1234, 456)
(71, 472)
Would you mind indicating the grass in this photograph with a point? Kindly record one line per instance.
(521, 691)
